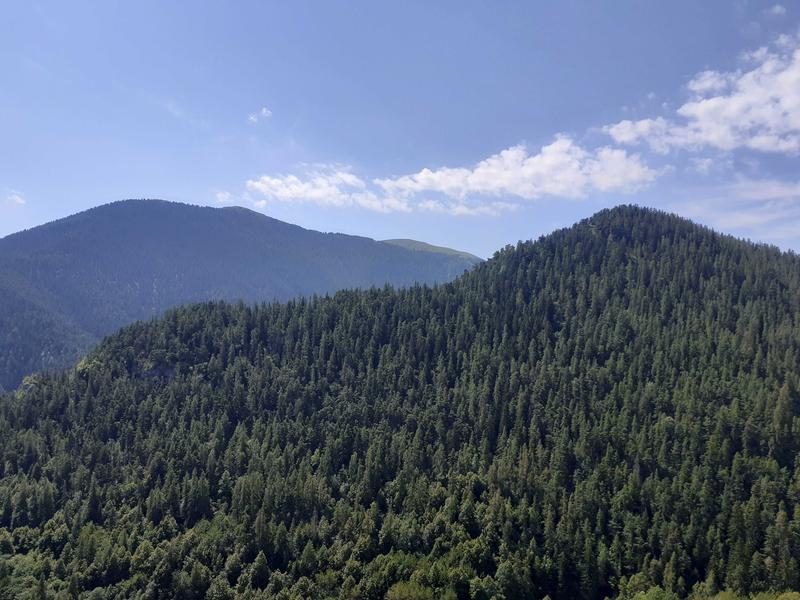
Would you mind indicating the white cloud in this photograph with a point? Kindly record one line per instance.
(325, 185)
(707, 82)
(259, 115)
(15, 198)
(702, 165)
(378, 203)
(613, 169)
(328, 187)
(223, 197)
(777, 10)
(757, 108)
(561, 168)
(655, 131)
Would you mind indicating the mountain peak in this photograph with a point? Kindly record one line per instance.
(66, 284)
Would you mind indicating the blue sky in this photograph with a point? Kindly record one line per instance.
(468, 124)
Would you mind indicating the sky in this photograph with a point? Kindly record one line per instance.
(466, 124)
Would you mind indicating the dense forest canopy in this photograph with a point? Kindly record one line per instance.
(65, 285)
(612, 410)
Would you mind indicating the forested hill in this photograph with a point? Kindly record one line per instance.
(65, 285)
(609, 409)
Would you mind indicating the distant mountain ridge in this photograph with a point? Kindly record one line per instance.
(425, 247)
(66, 284)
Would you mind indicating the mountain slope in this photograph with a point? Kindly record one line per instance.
(612, 407)
(425, 247)
(66, 284)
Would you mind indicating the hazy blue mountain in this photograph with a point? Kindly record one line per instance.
(425, 247)
(66, 284)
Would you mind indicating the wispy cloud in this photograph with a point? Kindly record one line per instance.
(756, 107)
(778, 10)
(461, 209)
(180, 113)
(765, 209)
(223, 197)
(259, 115)
(171, 107)
(15, 198)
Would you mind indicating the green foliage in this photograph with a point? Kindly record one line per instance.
(404, 590)
(656, 593)
(612, 410)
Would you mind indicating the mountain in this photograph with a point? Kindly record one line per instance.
(424, 247)
(65, 285)
(612, 410)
